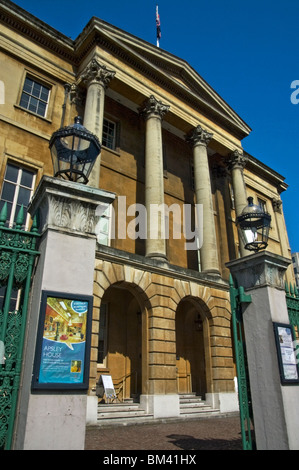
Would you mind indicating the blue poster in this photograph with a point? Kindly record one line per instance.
(64, 342)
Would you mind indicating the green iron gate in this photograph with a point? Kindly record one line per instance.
(237, 298)
(292, 299)
(17, 257)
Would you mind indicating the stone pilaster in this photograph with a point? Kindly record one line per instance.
(97, 78)
(282, 233)
(237, 162)
(153, 112)
(199, 139)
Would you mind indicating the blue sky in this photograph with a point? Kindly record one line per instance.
(247, 51)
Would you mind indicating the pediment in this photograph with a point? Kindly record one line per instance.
(169, 71)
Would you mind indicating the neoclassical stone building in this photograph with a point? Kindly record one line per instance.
(161, 315)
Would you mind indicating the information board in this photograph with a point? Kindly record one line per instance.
(287, 360)
(63, 342)
(108, 386)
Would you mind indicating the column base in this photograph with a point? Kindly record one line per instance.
(157, 256)
(212, 272)
(92, 409)
(161, 406)
(226, 402)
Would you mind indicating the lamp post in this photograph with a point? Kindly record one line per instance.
(74, 151)
(254, 225)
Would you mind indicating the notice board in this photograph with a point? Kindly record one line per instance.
(108, 386)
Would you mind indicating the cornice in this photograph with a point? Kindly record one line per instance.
(266, 172)
(31, 27)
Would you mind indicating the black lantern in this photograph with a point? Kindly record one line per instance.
(254, 225)
(74, 151)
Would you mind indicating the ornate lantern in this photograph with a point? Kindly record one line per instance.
(74, 151)
(254, 225)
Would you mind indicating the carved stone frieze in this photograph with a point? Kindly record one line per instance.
(72, 215)
(260, 270)
(67, 206)
(153, 107)
(198, 135)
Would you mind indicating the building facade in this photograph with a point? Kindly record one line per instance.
(161, 315)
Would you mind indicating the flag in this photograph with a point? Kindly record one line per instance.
(158, 24)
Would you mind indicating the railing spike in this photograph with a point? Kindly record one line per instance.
(20, 218)
(286, 287)
(291, 289)
(34, 226)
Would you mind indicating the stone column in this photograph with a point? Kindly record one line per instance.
(275, 406)
(199, 139)
(97, 77)
(153, 112)
(237, 162)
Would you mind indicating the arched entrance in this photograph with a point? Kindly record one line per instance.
(190, 348)
(120, 340)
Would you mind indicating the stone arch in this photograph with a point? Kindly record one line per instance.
(213, 306)
(122, 288)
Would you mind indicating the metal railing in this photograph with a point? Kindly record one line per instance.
(17, 258)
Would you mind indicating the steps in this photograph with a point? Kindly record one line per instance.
(130, 412)
(192, 406)
(122, 413)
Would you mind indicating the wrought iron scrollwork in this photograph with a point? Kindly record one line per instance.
(17, 256)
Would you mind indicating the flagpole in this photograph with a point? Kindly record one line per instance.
(158, 26)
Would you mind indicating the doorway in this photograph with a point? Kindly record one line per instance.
(120, 341)
(190, 350)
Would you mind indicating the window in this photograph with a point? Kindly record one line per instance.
(17, 190)
(103, 227)
(262, 204)
(14, 299)
(109, 134)
(35, 97)
(102, 343)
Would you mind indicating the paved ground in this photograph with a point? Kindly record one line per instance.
(196, 434)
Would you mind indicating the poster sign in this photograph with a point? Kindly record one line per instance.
(287, 360)
(106, 381)
(63, 342)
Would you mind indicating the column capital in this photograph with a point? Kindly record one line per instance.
(237, 159)
(153, 108)
(199, 136)
(77, 97)
(277, 204)
(96, 72)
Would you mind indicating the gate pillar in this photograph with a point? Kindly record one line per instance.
(56, 419)
(274, 405)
